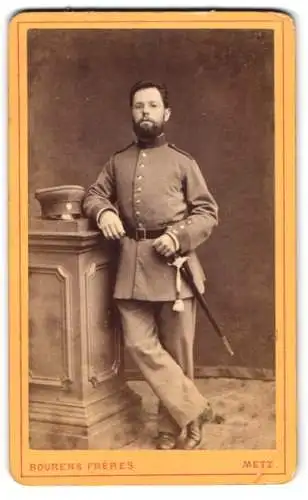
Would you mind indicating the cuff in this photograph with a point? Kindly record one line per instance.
(175, 240)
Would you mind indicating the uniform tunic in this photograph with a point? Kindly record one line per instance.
(154, 187)
(158, 187)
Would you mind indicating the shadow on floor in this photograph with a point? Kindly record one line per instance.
(245, 409)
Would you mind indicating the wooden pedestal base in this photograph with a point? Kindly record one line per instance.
(110, 423)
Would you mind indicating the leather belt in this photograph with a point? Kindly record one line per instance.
(141, 233)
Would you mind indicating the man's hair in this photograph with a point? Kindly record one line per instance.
(147, 84)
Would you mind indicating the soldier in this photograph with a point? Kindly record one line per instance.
(152, 197)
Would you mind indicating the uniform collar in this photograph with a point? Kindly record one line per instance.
(154, 143)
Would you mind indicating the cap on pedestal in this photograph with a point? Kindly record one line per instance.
(61, 202)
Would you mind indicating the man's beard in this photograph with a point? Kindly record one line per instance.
(148, 130)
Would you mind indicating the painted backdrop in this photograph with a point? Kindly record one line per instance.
(221, 91)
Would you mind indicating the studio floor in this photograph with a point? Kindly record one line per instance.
(244, 414)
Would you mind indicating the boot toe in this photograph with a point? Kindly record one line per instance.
(165, 441)
(191, 442)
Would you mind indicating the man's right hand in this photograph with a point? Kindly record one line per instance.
(111, 225)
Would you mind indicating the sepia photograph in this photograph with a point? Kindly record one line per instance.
(153, 251)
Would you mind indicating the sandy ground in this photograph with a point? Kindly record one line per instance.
(244, 414)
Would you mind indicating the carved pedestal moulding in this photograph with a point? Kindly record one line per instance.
(103, 343)
(50, 327)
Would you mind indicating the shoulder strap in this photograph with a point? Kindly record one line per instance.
(173, 146)
(123, 149)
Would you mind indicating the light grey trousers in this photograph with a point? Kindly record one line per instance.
(160, 341)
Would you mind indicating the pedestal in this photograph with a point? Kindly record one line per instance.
(78, 398)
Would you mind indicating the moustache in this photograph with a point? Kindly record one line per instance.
(146, 120)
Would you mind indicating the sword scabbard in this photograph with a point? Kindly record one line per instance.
(189, 278)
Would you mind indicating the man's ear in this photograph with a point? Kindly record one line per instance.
(167, 114)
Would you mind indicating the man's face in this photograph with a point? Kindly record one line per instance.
(149, 113)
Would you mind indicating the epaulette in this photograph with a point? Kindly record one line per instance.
(173, 146)
(123, 149)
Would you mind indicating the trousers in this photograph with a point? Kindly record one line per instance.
(160, 342)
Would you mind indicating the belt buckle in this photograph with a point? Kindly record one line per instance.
(141, 233)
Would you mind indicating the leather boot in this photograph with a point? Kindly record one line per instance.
(165, 441)
(194, 429)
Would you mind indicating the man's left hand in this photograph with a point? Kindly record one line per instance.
(165, 245)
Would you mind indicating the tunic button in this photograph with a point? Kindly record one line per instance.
(139, 224)
(139, 177)
(143, 154)
(141, 165)
(137, 213)
(182, 226)
(137, 201)
(138, 189)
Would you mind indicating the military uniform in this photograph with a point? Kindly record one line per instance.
(156, 188)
